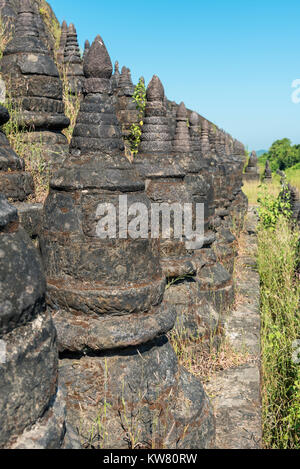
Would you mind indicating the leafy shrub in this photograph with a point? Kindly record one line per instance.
(282, 155)
(139, 97)
(272, 208)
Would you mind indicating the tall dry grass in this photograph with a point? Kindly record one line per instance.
(278, 256)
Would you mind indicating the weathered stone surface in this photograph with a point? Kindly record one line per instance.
(182, 142)
(30, 216)
(126, 109)
(106, 294)
(156, 137)
(115, 79)
(139, 385)
(212, 137)
(196, 317)
(185, 178)
(87, 47)
(98, 64)
(62, 43)
(30, 406)
(205, 145)
(32, 80)
(125, 82)
(44, 17)
(295, 203)
(73, 61)
(195, 132)
(290, 195)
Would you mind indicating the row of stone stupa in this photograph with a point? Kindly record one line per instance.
(108, 298)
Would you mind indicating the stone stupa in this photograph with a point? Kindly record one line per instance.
(32, 404)
(35, 89)
(73, 61)
(106, 294)
(252, 171)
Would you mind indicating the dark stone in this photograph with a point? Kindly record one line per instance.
(32, 81)
(156, 137)
(98, 64)
(205, 145)
(106, 294)
(4, 115)
(32, 410)
(87, 47)
(73, 61)
(15, 183)
(195, 132)
(115, 79)
(126, 109)
(182, 142)
(62, 43)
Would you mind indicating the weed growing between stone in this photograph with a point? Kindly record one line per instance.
(72, 104)
(31, 152)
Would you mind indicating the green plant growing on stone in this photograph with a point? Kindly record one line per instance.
(272, 208)
(72, 104)
(31, 152)
(51, 23)
(139, 98)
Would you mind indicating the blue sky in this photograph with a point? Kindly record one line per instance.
(232, 61)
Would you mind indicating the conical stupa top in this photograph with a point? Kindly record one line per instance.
(182, 141)
(62, 42)
(253, 159)
(155, 90)
(64, 32)
(72, 52)
(125, 79)
(181, 111)
(195, 131)
(268, 172)
(98, 63)
(97, 128)
(156, 136)
(87, 47)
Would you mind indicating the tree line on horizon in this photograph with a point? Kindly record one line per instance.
(282, 155)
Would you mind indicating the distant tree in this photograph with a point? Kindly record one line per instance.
(282, 155)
